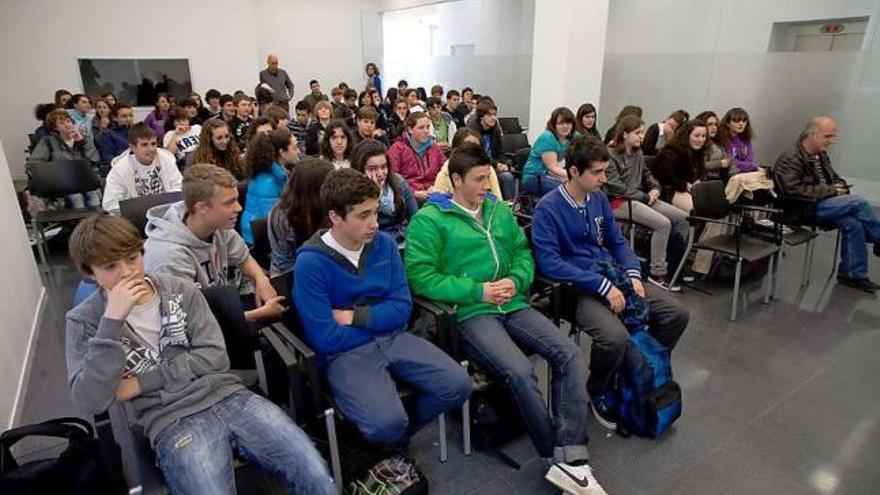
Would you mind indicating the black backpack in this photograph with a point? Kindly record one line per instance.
(80, 469)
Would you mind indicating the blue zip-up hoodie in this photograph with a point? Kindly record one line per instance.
(569, 239)
(263, 192)
(112, 143)
(376, 290)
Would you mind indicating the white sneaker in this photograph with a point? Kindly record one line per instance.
(574, 480)
(663, 284)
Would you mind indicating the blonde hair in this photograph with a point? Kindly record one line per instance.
(100, 239)
(200, 182)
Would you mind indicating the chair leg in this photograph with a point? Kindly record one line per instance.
(735, 289)
(41, 248)
(684, 257)
(808, 264)
(836, 260)
(775, 293)
(441, 428)
(466, 422)
(330, 421)
(768, 279)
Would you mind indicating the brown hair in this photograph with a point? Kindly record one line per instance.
(259, 156)
(300, 203)
(178, 113)
(321, 104)
(275, 114)
(627, 124)
(413, 118)
(345, 188)
(326, 150)
(563, 114)
(200, 182)
(140, 131)
(55, 116)
(734, 114)
(101, 239)
(368, 148)
(206, 153)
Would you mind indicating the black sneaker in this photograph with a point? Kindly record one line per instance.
(603, 414)
(663, 282)
(862, 284)
(877, 249)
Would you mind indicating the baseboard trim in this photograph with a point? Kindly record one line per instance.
(25, 377)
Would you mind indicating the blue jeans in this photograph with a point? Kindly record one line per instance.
(494, 341)
(363, 384)
(853, 216)
(507, 183)
(196, 452)
(541, 184)
(92, 199)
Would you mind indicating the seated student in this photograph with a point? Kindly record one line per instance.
(717, 160)
(736, 136)
(366, 127)
(354, 305)
(62, 96)
(276, 115)
(628, 177)
(337, 100)
(351, 106)
(577, 240)
(626, 110)
(156, 119)
(260, 125)
(115, 140)
(242, 120)
(413, 102)
(437, 92)
(464, 135)
(300, 123)
(681, 163)
(227, 107)
(396, 201)
(263, 97)
(398, 118)
(336, 145)
(65, 142)
(384, 114)
(216, 146)
(183, 139)
(655, 139)
(467, 105)
(466, 249)
(101, 120)
(441, 122)
(150, 341)
(41, 111)
(804, 172)
(191, 110)
(415, 156)
(485, 122)
(80, 110)
(585, 121)
(402, 86)
(314, 95)
(267, 159)
(141, 171)
(453, 102)
(544, 171)
(194, 239)
(298, 214)
(214, 109)
(315, 131)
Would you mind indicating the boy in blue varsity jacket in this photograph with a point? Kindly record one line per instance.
(354, 303)
(576, 240)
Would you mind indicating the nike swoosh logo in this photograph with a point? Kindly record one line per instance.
(580, 481)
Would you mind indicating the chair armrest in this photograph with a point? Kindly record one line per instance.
(298, 359)
(446, 319)
(138, 460)
(757, 208)
(693, 218)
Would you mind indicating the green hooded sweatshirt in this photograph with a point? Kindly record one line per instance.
(449, 255)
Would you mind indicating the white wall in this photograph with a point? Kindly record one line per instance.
(20, 305)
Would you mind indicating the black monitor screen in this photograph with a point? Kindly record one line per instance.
(136, 81)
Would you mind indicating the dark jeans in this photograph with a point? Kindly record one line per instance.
(855, 219)
(667, 320)
(196, 452)
(541, 184)
(507, 183)
(363, 384)
(494, 341)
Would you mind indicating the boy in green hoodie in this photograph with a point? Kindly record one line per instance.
(466, 249)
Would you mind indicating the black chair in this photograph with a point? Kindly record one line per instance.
(799, 215)
(321, 406)
(711, 206)
(57, 179)
(135, 209)
(261, 250)
(138, 460)
(510, 125)
(512, 143)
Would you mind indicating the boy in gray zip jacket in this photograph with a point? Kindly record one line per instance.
(151, 341)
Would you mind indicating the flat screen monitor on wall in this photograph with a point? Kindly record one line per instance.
(136, 81)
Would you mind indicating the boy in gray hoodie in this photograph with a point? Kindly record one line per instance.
(194, 239)
(151, 341)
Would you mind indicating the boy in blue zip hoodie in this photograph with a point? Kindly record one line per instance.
(150, 341)
(576, 240)
(354, 304)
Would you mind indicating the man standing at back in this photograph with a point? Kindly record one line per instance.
(279, 81)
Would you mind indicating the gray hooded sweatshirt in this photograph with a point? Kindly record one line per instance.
(172, 248)
(189, 374)
(629, 177)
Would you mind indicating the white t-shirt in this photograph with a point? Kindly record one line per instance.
(148, 179)
(145, 321)
(186, 143)
(475, 214)
(353, 256)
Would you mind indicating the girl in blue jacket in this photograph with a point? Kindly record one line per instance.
(268, 158)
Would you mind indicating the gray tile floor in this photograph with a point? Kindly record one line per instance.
(783, 401)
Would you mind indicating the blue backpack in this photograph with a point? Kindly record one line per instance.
(648, 399)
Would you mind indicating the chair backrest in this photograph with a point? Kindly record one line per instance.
(62, 177)
(510, 125)
(510, 143)
(709, 199)
(135, 209)
(283, 285)
(262, 250)
(239, 335)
